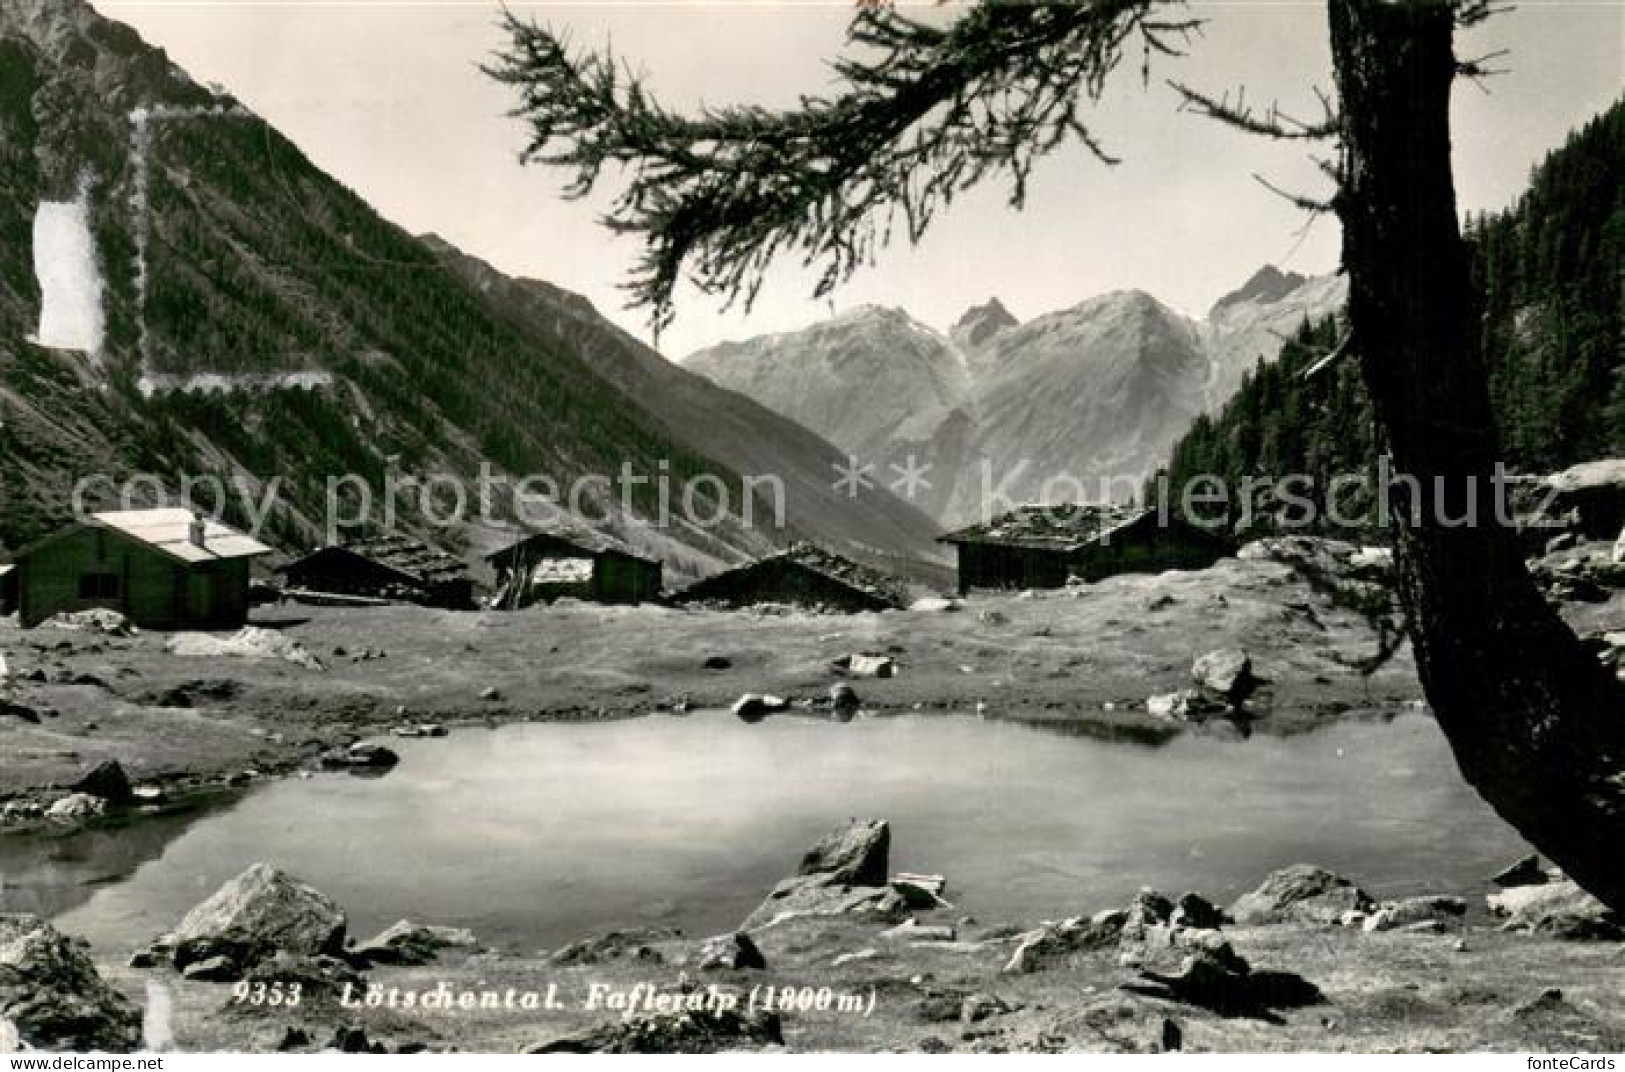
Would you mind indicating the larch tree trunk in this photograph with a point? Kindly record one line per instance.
(1537, 725)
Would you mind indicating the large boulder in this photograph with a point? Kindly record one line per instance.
(250, 642)
(843, 874)
(1301, 893)
(1557, 907)
(1185, 705)
(1050, 943)
(1526, 871)
(1413, 913)
(261, 912)
(52, 995)
(855, 855)
(1226, 674)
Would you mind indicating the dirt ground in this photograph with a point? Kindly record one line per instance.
(1471, 989)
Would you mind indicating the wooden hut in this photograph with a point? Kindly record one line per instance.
(802, 576)
(395, 569)
(1045, 546)
(162, 569)
(577, 563)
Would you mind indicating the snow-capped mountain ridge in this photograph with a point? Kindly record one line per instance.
(1083, 401)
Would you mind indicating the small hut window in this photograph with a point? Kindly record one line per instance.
(98, 586)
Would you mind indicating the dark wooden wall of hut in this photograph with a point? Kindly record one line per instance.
(619, 578)
(1144, 547)
(342, 572)
(984, 565)
(94, 567)
(1149, 547)
(616, 577)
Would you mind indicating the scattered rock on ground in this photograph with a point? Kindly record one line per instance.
(321, 975)
(978, 1007)
(921, 891)
(349, 1038)
(52, 995)
(617, 945)
(97, 620)
(75, 807)
(1226, 674)
(21, 712)
(731, 952)
(914, 931)
(1396, 915)
(363, 755)
(1052, 942)
(412, 943)
(819, 895)
(844, 698)
(216, 969)
(856, 854)
(844, 873)
(1194, 910)
(753, 707)
(1230, 987)
(1185, 705)
(1525, 872)
(420, 729)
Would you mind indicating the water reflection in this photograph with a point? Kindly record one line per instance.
(48, 872)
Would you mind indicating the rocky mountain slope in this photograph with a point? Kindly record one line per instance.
(261, 322)
(874, 381)
(717, 423)
(1080, 403)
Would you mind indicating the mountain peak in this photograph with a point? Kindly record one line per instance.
(1268, 284)
(980, 323)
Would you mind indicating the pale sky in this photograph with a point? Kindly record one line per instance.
(385, 95)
